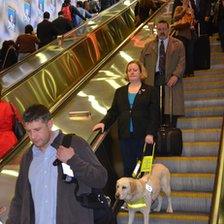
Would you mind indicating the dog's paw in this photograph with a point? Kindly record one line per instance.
(169, 210)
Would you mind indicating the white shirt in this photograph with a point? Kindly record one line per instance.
(165, 46)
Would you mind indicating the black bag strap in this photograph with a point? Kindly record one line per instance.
(66, 142)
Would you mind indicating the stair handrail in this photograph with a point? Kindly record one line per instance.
(217, 205)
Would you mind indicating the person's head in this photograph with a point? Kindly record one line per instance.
(135, 71)
(185, 4)
(60, 13)
(46, 15)
(79, 4)
(29, 29)
(163, 29)
(38, 124)
(86, 5)
(67, 2)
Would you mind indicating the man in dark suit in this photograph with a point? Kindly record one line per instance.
(46, 31)
(203, 8)
(61, 24)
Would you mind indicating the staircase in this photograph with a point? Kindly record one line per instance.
(193, 173)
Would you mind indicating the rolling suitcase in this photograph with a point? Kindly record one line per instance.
(202, 51)
(169, 139)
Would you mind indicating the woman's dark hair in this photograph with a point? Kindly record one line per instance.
(28, 29)
(36, 112)
(79, 4)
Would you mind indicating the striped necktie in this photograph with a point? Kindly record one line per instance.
(162, 58)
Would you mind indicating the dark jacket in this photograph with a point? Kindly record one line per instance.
(62, 25)
(144, 112)
(89, 172)
(46, 32)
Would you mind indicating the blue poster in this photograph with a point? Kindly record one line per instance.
(27, 13)
(11, 19)
(41, 5)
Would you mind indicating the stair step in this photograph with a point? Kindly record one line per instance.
(192, 182)
(218, 101)
(204, 111)
(203, 93)
(166, 218)
(203, 85)
(199, 122)
(197, 135)
(217, 66)
(182, 164)
(200, 148)
(189, 201)
(211, 72)
(205, 78)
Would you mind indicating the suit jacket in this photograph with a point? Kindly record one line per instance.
(46, 32)
(62, 25)
(204, 8)
(144, 112)
(175, 65)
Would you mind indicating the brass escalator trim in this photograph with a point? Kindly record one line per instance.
(217, 210)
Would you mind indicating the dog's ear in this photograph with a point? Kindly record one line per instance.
(132, 186)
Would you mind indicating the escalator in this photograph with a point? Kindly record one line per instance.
(95, 96)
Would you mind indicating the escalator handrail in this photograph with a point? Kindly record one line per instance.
(216, 215)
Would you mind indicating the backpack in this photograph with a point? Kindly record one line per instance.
(96, 200)
(67, 12)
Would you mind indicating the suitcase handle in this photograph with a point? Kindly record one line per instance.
(162, 106)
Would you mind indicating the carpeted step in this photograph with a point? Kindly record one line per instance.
(200, 148)
(192, 182)
(217, 66)
(189, 201)
(198, 135)
(217, 58)
(218, 101)
(166, 218)
(203, 85)
(181, 164)
(204, 111)
(199, 122)
(203, 93)
(202, 73)
(204, 78)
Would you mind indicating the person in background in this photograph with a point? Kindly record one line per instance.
(46, 31)
(41, 194)
(136, 109)
(61, 24)
(219, 21)
(164, 60)
(8, 54)
(26, 43)
(71, 13)
(143, 8)
(183, 25)
(94, 6)
(7, 136)
(85, 13)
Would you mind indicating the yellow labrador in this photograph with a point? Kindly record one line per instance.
(148, 187)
